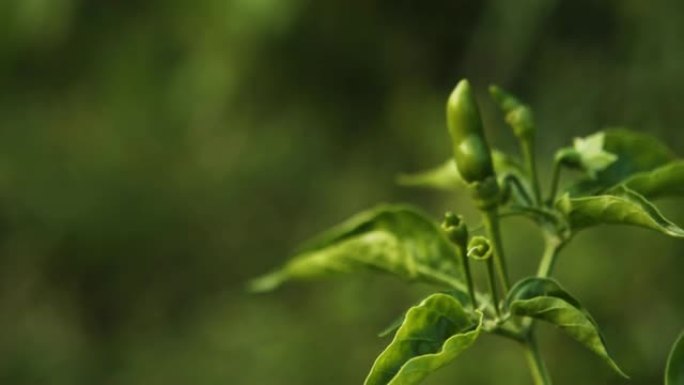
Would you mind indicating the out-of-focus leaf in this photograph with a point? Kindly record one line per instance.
(593, 156)
(433, 333)
(674, 371)
(442, 177)
(446, 176)
(394, 239)
(636, 152)
(622, 207)
(667, 180)
(544, 299)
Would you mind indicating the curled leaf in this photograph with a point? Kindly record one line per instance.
(622, 207)
(393, 239)
(479, 248)
(667, 180)
(432, 334)
(674, 371)
(544, 299)
(460, 296)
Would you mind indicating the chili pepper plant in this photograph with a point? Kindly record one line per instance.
(619, 173)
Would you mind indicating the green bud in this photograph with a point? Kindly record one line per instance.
(506, 101)
(471, 151)
(569, 157)
(455, 228)
(517, 115)
(479, 248)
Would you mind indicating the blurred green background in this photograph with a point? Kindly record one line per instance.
(155, 155)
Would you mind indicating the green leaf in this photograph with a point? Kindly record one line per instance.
(674, 371)
(446, 176)
(544, 299)
(394, 239)
(433, 333)
(636, 152)
(667, 180)
(593, 156)
(460, 296)
(622, 207)
(442, 177)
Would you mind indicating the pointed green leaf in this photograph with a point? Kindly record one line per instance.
(636, 152)
(442, 177)
(674, 371)
(446, 176)
(622, 207)
(432, 335)
(664, 181)
(544, 299)
(391, 238)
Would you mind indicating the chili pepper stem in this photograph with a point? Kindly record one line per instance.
(514, 182)
(527, 148)
(540, 374)
(553, 245)
(555, 179)
(491, 224)
(468, 275)
(492, 286)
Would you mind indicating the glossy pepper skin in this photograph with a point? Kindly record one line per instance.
(471, 151)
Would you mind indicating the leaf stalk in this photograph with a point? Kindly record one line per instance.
(540, 374)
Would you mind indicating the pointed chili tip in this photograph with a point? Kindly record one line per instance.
(462, 98)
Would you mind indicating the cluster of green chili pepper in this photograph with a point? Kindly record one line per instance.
(473, 159)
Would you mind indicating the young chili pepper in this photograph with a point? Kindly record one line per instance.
(471, 151)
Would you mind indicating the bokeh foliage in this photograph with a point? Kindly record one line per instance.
(155, 155)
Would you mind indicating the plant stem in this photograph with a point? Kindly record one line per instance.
(527, 147)
(553, 245)
(469, 278)
(492, 286)
(514, 182)
(555, 179)
(540, 374)
(491, 224)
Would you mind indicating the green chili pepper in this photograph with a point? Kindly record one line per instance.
(471, 151)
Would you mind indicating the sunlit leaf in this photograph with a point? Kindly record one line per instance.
(544, 299)
(593, 156)
(674, 371)
(461, 296)
(446, 176)
(622, 207)
(636, 152)
(393, 239)
(433, 333)
(664, 181)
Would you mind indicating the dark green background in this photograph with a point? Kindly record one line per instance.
(156, 155)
